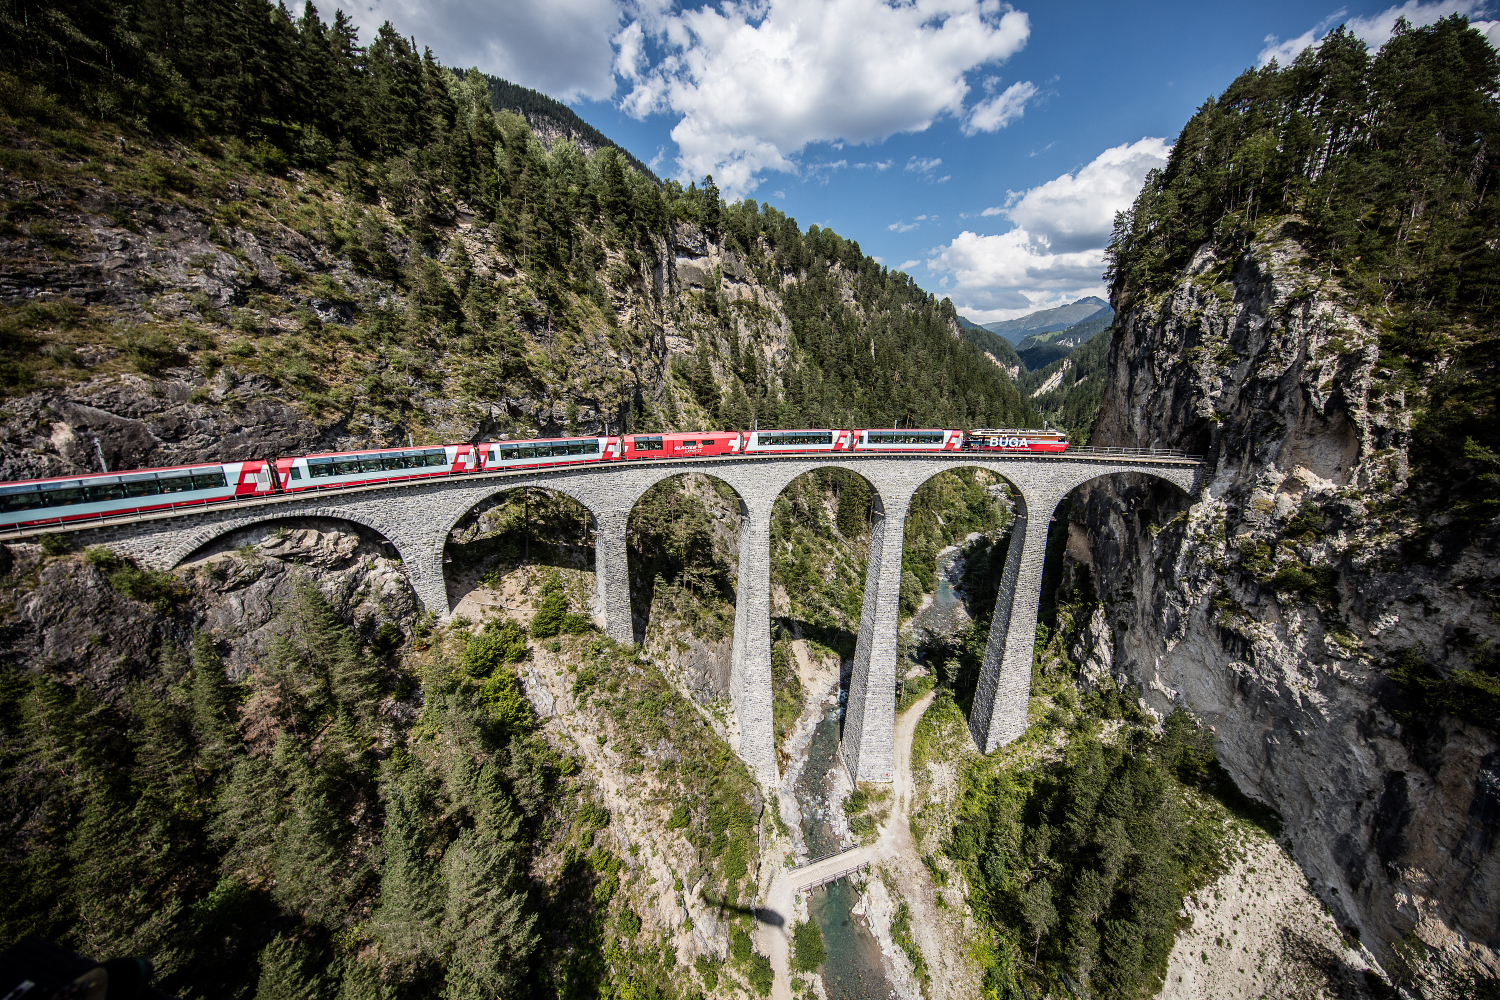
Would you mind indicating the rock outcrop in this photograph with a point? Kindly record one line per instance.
(1275, 602)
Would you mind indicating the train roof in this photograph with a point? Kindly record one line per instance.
(1019, 430)
(421, 450)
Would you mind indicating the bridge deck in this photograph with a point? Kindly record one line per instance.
(1103, 456)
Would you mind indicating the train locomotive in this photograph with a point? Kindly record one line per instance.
(64, 499)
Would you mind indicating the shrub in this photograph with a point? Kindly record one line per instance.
(760, 975)
(150, 350)
(551, 615)
(739, 945)
(155, 587)
(708, 971)
(54, 545)
(630, 923)
(808, 950)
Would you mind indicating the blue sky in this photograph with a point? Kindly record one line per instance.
(980, 146)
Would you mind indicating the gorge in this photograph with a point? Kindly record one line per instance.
(286, 763)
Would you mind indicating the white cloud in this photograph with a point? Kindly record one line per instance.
(757, 81)
(902, 227)
(630, 57)
(999, 111)
(822, 171)
(1055, 252)
(1078, 210)
(1375, 29)
(778, 194)
(922, 165)
(993, 210)
(907, 265)
(560, 47)
(878, 165)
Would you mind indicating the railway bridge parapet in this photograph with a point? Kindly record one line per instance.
(417, 516)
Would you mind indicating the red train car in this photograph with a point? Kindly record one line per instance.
(707, 444)
(908, 439)
(798, 441)
(359, 468)
(1026, 439)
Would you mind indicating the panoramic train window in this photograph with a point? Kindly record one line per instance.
(63, 494)
(104, 492)
(320, 468)
(905, 437)
(20, 498)
(648, 444)
(140, 486)
(783, 440)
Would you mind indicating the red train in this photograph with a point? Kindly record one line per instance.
(78, 498)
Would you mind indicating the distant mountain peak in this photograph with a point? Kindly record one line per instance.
(1048, 320)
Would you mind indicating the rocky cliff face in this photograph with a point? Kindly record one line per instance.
(1281, 601)
(244, 319)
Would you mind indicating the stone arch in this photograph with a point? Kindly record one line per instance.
(494, 488)
(640, 620)
(1000, 701)
(1008, 548)
(188, 544)
(556, 530)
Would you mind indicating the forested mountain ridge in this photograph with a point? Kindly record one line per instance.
(362, 250)
(993, 345)
(551, 120)
(1305, 295)
(1040, 350)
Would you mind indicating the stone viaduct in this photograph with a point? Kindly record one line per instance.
(416, 517)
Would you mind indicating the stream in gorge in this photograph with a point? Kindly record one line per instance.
(855, 968)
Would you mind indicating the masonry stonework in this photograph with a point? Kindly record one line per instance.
(416, 519)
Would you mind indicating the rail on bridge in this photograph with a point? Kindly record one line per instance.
(416, 515)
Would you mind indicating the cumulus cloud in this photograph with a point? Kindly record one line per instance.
(1055, 250)
(993, 210)
(1375, 29)
(756, 81)
(565, 48)
(999, 111)
(1076, 211)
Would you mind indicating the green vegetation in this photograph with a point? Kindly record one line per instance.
(1381, 169)
(1072, 404)
(808, 950)
(552, 615)
(945, 510)
(249, 837)
(159, 589)
(901, 933)
(681, 565)
(819, 547)
(1083, 866)
(713, 798)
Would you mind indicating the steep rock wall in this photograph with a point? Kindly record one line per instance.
(1275, 602)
